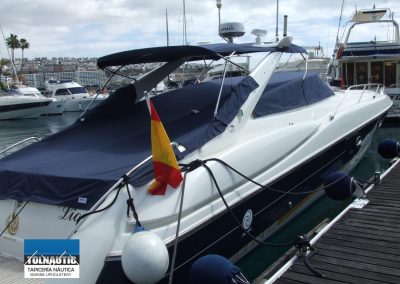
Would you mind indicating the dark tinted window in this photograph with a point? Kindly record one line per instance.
(77, 90)
(62, 92)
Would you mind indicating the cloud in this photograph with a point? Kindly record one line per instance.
(99, 27)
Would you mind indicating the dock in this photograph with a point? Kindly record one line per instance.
(361, 245)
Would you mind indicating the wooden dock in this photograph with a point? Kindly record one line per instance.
(362, 245)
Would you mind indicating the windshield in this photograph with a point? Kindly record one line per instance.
(372, 32)
(77, 90)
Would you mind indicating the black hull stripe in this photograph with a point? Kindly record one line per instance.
(14, 107)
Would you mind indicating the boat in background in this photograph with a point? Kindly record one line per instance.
(56, 107)
(315, 61)
(75, 96)
(17, 106)
(369, 54)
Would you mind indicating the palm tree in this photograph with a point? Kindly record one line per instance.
(23, 44)
(3, 62)
(13, 43)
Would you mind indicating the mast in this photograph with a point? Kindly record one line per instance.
(184, 24)
(166, 24)
(277, 13)
(340, 20)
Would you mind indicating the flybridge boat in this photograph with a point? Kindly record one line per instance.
(75, 96)
(18, 106)
(285, 131)
(370, 53)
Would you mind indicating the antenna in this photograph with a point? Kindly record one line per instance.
(219, 5)
(285, 25)
(259, 33)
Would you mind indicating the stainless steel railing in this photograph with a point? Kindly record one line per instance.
(379, 89)
(19, 143)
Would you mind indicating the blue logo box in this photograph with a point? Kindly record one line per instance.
(51, 247)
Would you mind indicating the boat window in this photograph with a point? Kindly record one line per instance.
(62, 92)
(77, 90)
(361, 72)
(377, 72)
(373, 32)
(348, 69)
(390, 73)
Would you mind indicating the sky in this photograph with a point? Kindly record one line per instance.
(94, 28)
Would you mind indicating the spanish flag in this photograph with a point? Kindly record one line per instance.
(166, 169)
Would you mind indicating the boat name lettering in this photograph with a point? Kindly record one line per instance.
(69, 214)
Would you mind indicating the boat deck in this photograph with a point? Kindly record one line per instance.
(361, 246)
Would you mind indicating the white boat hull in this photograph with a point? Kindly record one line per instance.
(22, 107)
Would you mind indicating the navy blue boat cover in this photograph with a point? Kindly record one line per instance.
(288, 90)
(76, 166)
(83, 161)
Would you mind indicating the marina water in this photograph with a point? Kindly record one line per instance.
(13, 131)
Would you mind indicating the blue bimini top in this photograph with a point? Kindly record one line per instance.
(76, 166)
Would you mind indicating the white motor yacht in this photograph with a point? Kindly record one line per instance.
(284, 132)
(369, 54)
(16, 106)
(75, 96)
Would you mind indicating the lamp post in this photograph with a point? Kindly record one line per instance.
(219, 5)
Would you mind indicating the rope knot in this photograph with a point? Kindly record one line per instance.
(302, 243)
(129, 202)
(125, 178)
(194, 165)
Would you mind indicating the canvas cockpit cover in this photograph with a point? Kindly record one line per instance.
(290, 90)
(76, 166)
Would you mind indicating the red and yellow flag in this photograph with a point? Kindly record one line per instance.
(166, 169)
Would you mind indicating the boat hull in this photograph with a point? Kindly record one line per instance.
(271, 210)
(22, 110)
(54, 108)
(80, 104)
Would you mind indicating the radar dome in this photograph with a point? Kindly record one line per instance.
(232, 29)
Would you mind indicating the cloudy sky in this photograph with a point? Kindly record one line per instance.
(93, 28)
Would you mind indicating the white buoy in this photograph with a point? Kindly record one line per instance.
(144, 258)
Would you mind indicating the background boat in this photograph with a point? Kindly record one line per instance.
(369, 52)
(17, 106)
